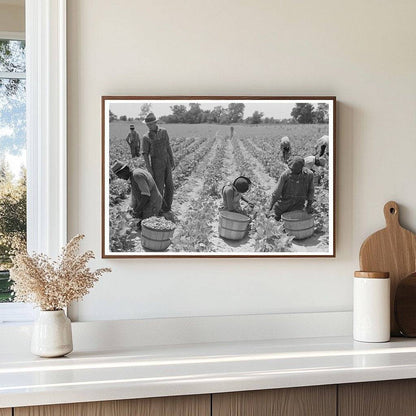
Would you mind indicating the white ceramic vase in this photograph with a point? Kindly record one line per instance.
(52, 334)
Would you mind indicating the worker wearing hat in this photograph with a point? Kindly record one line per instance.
(285, 148)
(133, 140)
(311, 162)
(158, 157)
(232, 194)
(322, 146)
(294, 188)
(314, 164)
(146, 200)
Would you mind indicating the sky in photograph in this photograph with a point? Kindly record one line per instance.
(277, 110)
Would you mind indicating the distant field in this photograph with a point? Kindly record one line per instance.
(207, 158)
(302, 137)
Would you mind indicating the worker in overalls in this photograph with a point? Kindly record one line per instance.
(294, 188)
(158, 157)
(133, 140)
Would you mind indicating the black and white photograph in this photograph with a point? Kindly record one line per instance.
(218, 176)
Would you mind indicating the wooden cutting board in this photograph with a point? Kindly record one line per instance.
(393, 250)
(405, 305)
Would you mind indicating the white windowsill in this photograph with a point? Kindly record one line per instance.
(156, 371)
(16, 313)
(12, 35)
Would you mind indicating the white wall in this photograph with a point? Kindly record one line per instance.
(12, 18)
(361, 51)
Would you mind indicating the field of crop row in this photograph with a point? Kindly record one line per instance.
(206, 159)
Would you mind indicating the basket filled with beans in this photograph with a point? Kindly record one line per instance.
(157, 233)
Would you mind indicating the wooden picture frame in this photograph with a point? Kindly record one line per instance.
(216, 143)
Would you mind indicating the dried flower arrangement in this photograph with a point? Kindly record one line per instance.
(53, 285)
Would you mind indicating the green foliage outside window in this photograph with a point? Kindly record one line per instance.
(12, 224)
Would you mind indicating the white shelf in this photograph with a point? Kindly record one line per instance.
(150, 371)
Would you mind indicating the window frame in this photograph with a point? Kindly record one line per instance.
(46, 135)
(14, 312)
(12, 35)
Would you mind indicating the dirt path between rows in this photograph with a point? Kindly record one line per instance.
(193, 185)
(264, 179)
(192, 188)
(278, 154)
(229, 173)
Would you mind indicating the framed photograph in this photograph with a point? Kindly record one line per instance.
(218, 176)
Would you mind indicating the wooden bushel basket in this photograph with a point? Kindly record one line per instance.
(300, 224)
(232, 225)
(156, 240)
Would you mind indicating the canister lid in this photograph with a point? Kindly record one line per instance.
(372, 275)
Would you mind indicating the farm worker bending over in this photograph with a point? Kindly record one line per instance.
(146, 200)
(158, 156)
(133, 141)
(294, 188)
(285, 147)
(232, 194)
(312, 161)
(322, 146)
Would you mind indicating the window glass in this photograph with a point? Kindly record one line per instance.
(12, 157)
(12, 56)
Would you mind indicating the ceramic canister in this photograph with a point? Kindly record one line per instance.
(371, 307)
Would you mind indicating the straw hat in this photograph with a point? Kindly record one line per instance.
(118, 166)
(150, 118)
(242, 184)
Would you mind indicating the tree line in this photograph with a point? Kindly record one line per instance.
(302, 113)
(12, 213)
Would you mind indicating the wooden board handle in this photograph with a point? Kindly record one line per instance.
(391, 214)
